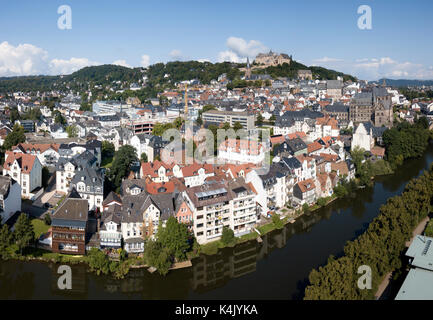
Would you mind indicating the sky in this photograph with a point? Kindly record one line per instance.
(142, 32)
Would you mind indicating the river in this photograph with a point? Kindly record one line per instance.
(278, 268)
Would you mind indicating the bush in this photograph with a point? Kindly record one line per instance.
(322, 202)
(47, 219)
(276, 220)
(228, 236)
(429, 230)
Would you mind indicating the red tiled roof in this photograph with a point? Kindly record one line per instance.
(306, 185)
(25, 161)
(314, 146)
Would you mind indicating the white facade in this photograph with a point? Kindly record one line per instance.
(11, 203)
(362, 139)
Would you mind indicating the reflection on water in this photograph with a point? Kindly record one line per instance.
(277, 268)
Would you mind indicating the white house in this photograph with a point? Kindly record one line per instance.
(362, 138)
(10, 197)
(26, 169)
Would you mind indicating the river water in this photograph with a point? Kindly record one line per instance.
(278, 268)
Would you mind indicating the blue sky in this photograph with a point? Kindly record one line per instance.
(136, 33)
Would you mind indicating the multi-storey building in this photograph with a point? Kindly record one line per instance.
(69, 226)
(221, 204)
(218, 117)
(26, 169)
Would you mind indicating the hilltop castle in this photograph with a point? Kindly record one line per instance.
(272, 59)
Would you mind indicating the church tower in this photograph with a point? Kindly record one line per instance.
(248, 72)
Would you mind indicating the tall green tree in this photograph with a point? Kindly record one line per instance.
(228, 236)
(122, 161)
(14, 137)
(72, 131)
(174, 236)
(24, 233)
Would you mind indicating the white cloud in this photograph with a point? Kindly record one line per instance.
(230, 56)
(145, 60)
(176, 54)
(24, 59)
(60, 66)
(245, 49)
(121, 63)
(240, 49)
(204, 60)
(327, 59)
(376, 68)
(27, 59)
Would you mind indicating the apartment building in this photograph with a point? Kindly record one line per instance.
(221, 204)
(217, 117)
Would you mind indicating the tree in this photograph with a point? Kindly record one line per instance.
(59, 118)
(272, 119)
(228, 236)
(120, 168)
(158, 256)
(72, 131)
(98, 261)
(357, 157)
(175, 237)
(306, 208)
(5, 239)
(47, 219)
(14, 137)
(108, 149)
(259, 121)
(14, 115)
(143, 157)
(276, 220)
(33, 114)
(237, 126)
(24, 233)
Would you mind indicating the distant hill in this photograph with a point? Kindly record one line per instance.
(159, 75)
(405, 82)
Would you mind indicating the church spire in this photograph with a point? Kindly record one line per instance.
(248, 71)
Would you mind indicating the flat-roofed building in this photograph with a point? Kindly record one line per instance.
(418, 284)
(218, 117)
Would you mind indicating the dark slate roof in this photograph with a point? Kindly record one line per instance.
(72, 213)
(337, 107)
(112, 196)
(377, 131)
(291, 163)
(296, 145)
(92, 178)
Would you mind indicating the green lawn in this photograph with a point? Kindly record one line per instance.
(39, 227)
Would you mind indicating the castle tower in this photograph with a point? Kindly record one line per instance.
(248, 72)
